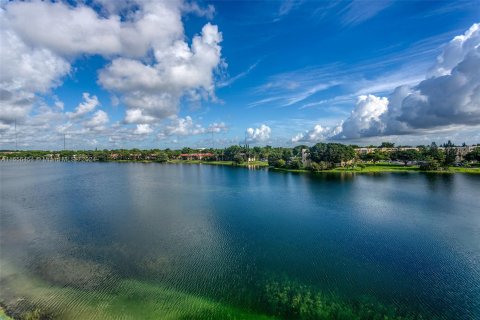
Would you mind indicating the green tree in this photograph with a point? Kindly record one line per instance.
(435, 153)
(406, 155)
(162, 156)
(273, 158)
(286, 154)
(387, 145)
(431, 164)
(295, 164)
(297, 151)
(231, 152)
(238, 158)
(377, 156)
(473, 155)
(450, 153)
(332, 153)
(280, 163)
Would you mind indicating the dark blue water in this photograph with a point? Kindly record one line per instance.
(407, 242)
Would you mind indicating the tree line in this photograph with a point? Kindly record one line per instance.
(321, 156)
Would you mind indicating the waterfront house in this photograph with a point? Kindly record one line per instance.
(195, 156)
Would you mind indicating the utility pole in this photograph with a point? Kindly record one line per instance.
(16, 137)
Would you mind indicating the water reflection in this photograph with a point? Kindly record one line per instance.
(436, 181)
(221, 234)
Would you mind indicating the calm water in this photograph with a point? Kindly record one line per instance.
(130, 241)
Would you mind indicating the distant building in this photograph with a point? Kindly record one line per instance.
(196, 156)
(306, 157)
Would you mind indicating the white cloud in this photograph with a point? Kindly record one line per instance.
(98, 121)
(456, 51)
(227, 82)
(182, 127)
(152, 69)
(87, 106)
(143, 129)
(26, 71)
(188, 127)
(217, 127)
(136, 116)
(359, 11)
(449, 96)
(83, 31)
(365, 117)
(193, 7)
(154, 90)
(260, 134)
(318, 133)
(46, 127)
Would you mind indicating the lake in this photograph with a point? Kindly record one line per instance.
(176, 241)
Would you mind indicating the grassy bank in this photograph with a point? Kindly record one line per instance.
(367, 168)
(388, 167)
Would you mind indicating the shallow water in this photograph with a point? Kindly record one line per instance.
(130, 240)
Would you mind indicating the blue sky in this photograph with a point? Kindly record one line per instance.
(172, 74)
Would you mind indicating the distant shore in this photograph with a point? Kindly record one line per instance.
(386, 167)
(379, 167)
(369, 168)
(366, 168)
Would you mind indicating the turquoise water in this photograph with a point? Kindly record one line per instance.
(130, 240)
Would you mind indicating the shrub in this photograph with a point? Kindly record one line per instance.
(280, 163)
(295, 164)
(238, 159)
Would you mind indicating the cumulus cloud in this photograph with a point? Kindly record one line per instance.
(448, 97)
(153, 91)
(85, 32)
(47, 126)
(26, 71)
(88, 105)
(318, 133)
(188, 127)
(183, 127)
(143, 129)
(260, 134)
(151, 68)
(98, 121)
(365, 117)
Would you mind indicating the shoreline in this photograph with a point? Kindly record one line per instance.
(369, 168)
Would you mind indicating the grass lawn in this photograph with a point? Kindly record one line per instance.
(389, 167)
(378, 167)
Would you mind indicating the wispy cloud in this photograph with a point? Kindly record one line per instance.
(286, 7)
(337, 83)
(359, 11)
(448, 7)
(229, 81)
(300, 93)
